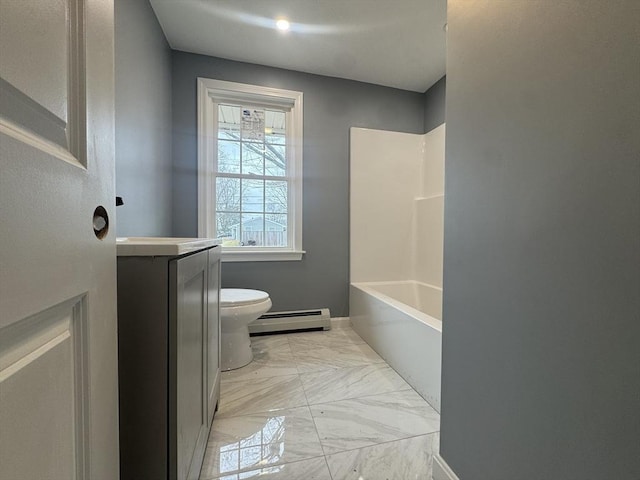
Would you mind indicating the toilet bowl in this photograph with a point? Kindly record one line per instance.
(238, 308)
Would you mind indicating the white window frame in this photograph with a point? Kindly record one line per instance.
(212, 92)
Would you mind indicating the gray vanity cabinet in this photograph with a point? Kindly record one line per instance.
(169, 375)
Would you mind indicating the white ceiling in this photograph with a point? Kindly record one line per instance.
(396, 43)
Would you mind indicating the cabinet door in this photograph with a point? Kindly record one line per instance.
(213, 333)
(190, 347)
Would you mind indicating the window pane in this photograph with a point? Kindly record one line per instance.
(275, 138)
(228, 228)
(228, 156)
(275, 200)
(276, 230)
(252, 195)
(252, 229)
(252, 158)
(252, 124)
(275, 160)
(229, 122)
(227, 194)
(274, 129)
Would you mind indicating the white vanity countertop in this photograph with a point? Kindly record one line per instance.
(161, 246)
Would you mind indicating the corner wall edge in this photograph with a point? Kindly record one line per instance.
(442, 471)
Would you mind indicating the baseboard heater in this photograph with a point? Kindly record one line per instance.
(291, 321)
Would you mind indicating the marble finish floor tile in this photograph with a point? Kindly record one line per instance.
(313, 469)
(319, 406)
(328, 358)
(272, 357)
(365, 421)
(260, 440)
(408, 459)
(271, 342)
(260, 395)
(329, 338)
(344, 383)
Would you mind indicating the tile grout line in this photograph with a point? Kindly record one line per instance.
(361, 396)
(313, 419)
(373, 395)
(326, 462)
(309, 410)
(437, 432)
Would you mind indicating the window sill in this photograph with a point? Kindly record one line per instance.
(262, 256)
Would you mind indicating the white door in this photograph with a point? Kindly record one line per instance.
(58, 355)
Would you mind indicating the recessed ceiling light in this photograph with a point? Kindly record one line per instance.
(282, 24)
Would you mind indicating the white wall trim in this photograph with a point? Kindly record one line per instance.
(209, 92)
(261, 255)
(340, 322)
(442, 471)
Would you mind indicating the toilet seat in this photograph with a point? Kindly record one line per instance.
(238, 297)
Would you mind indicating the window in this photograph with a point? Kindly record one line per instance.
(250, 170)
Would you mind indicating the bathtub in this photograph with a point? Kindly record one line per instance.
(402, 321)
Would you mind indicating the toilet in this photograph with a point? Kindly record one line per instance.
(238, 308)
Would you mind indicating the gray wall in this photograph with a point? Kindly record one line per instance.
(434, 105)
(541, 341)
(331, 107)
(143, 121)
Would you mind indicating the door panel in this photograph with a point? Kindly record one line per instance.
(43, 75)
(42, 367)
(58, 399)
(34, 41)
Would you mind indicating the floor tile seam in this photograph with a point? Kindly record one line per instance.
(304, 392)
(342, 368)
(380, 443)
(330, 345)
(364, 396)
(330, 370)
(326, 461)
(262, 412)
(358, 397)
(312, 418)
(237, 472)
(258, 377)
(249, 380)
(355, 366)
(364, 358)
(408, 386)
(341, 343)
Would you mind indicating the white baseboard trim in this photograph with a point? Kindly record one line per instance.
(340, 322)
(442, 471)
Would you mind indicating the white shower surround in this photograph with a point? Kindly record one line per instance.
(396, 210)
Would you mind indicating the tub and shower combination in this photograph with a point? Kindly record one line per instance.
(402, 322)
(397, 183)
